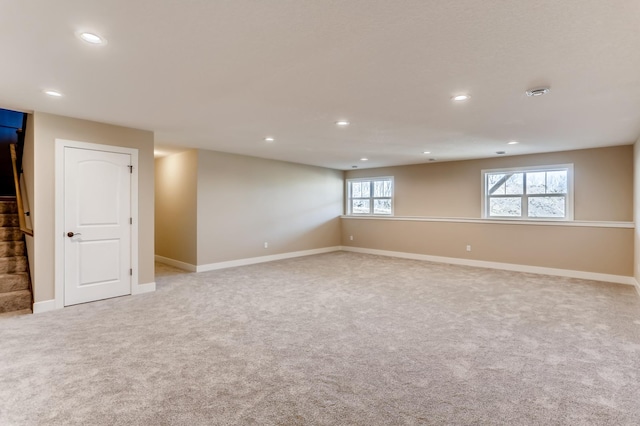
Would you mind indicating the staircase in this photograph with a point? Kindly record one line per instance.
(15, 289)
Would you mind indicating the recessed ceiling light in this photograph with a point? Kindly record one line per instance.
(426, 152)
(538, 92)
(53, 93)
(461, 97)
(364, 159)
(500, 152)
(269, 139)
(92, 38)
(512, 143)
(342, 123)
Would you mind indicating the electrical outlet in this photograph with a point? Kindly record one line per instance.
(468, 248)
(351, 237)
(266, 244)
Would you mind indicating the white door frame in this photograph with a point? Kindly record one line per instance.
(60, 231)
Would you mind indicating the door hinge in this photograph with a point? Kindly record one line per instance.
(130, 169)
(130, 221)
(130, 271)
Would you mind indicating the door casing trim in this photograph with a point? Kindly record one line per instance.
(61, 144)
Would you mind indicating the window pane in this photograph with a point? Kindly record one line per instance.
(366, 189)
(514, 184)
(536, 183)
(382, 188)
(388, 188)
(360, 206)
(493, 180)
(557, 182)
(382, 207)
(505, 206)
(361, 189)
(546, 206)
(378, 188)
(505, 183)
(356, 189)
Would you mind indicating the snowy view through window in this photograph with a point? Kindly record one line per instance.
(527, 194)
(370, 196)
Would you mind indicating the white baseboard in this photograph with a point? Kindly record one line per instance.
(618, 279)
(637, 285)
(176, 263)
(262, 259)
(44, 306)
(143, 288)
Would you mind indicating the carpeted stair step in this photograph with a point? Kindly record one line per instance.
(8, 207)
(14, 282)
(9, 265)
(16, 313)
(10, 234)
(11, 248)
(15, 301)
(9, 219)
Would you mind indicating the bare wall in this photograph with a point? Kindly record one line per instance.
(48, 128)
(603, 192)
(588, 249)
(636, 211)
(176, 179)
(603, 180)
(244, 202)
(28, 179)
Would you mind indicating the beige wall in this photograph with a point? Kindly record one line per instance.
(603, 183)
(636, 211)
(603, 192)
(28, 179)
(176, 206)
(244, 202)
(47, 128)
(588, 249)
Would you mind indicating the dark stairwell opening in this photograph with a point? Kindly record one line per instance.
(12, 124)
(15, 286)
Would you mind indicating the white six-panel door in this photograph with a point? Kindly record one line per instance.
(97, 214)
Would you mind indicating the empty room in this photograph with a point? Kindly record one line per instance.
(320, 212)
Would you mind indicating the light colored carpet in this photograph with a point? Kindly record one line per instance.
(333, 339)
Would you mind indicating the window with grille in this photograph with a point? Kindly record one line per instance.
(370, 196)
(544, 192)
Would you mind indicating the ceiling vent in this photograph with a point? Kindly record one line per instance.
(538, 92)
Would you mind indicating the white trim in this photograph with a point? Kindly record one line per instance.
(618, 279)
(584, 223)
(262, 259)
(44, 306)
(529, 169)
(371, 198)
(546, 168)
(637, 285)
(61, 144)
(143, 288)
(176, 263)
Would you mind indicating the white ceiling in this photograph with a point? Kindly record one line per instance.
(223, 74)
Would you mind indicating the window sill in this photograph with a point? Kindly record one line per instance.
(584, 223)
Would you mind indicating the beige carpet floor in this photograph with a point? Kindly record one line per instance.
(333, 339)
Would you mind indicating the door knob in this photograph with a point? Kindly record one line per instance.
(71, 234)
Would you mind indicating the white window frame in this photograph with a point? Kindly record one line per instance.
(525, 197)
(371, 198)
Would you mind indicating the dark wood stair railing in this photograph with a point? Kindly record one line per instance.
(16, 179)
